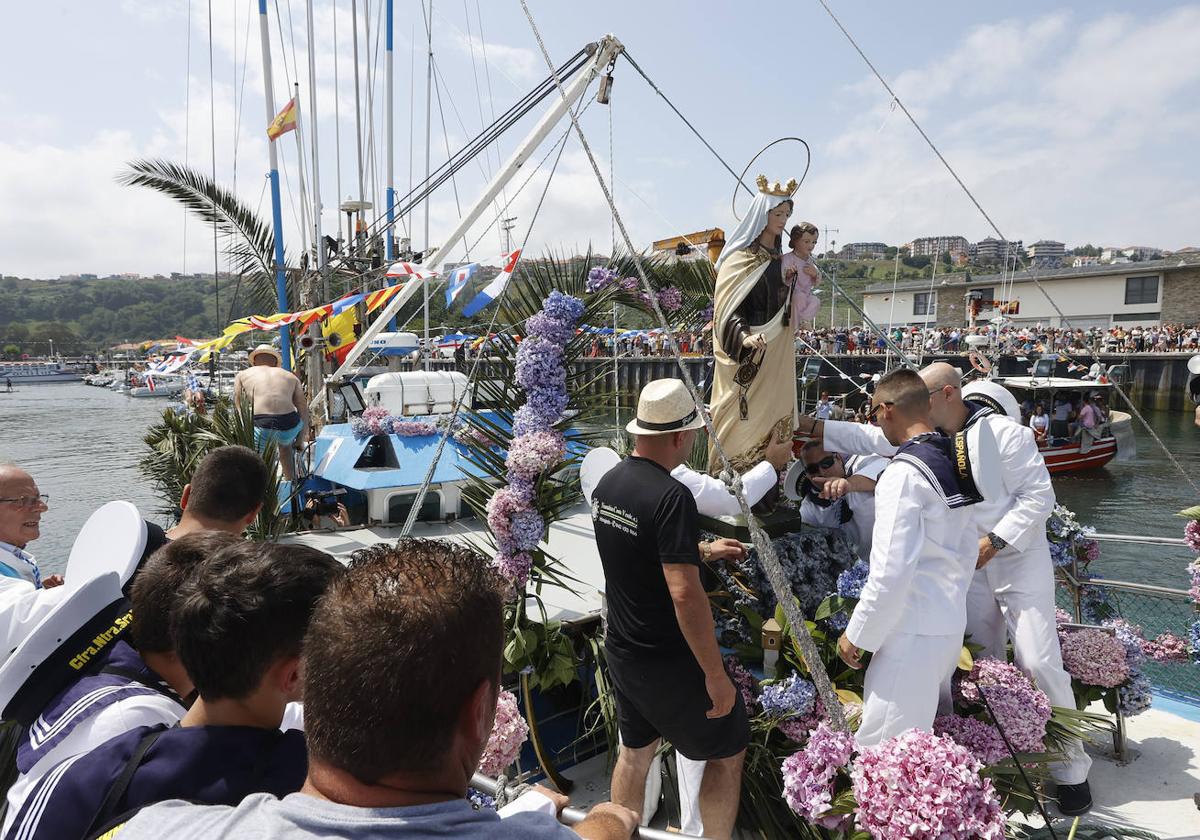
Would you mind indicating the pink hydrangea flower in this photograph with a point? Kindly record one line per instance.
(743, 681)
(1094, 658)
(924, 787)
(1019, 708)
(810, 775)
(533, 453)
(1191, 533)
(1166, 647)
(980, 738)
(508, 734)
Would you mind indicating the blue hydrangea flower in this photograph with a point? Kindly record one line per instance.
(1134, 697)
(850, 582)
(792, 697)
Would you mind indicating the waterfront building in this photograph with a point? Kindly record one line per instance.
(932, 246)
(1047, 252)
(863, 251)
(1127, 295)
(996, 250)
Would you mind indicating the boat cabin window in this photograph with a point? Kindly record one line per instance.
(378, 454)
(400, 504)
(1044, 368)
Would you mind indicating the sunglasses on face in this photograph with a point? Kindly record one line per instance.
(824, 464)
(872, 414)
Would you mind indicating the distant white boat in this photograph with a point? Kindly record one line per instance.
(33, 373)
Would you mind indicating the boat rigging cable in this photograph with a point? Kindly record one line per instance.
(1064, 320)
(767, 557)
(212, 128)
(415, 510)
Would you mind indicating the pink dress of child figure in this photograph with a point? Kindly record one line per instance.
(798, 268)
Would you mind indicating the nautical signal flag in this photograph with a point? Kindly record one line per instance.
(284, 121)
(340, 334)
(494, 289)
(457, 281)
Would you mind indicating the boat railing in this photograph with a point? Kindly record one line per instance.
(1156, 609)
(573, 816)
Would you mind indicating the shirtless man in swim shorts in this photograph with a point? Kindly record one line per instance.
(280, 408)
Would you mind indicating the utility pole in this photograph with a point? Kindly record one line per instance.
(832, 293)
(507, 225)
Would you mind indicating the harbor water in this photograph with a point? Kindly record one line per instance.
(82, 445)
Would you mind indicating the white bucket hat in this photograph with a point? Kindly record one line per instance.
(664, 406)
(269, 350)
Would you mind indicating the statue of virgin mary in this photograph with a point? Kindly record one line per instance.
(754, 379)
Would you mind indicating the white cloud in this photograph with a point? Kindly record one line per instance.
(1058, 126)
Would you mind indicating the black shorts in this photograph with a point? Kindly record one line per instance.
(666, 697)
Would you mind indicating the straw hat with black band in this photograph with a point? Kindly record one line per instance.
(664, 407)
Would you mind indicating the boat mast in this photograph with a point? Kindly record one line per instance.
(389, 232)
(601, 54)
(428, 124)
(362, 198)
(315, 373)
(285, 342)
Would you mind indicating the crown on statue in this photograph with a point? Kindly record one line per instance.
(784, 190)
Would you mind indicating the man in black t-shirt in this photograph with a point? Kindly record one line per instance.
(661, 647)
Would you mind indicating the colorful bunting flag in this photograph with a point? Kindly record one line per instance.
(494, 289)
(457, 281)
(381, 297)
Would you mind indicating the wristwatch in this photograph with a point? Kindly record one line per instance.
(996, 542)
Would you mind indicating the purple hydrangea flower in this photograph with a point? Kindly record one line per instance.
(1094, 658)
(1018, 707)
(850, 583)
(980, 738)
(1191, 534)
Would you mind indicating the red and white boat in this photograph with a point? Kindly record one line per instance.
(1084, 450)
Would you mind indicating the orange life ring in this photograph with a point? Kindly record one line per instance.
(980, 363)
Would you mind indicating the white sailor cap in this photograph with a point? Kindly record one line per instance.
(74, 635)
(995, 396)
(112, 540)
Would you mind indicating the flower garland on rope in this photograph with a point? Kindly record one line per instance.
(377, 420)
(515, 522)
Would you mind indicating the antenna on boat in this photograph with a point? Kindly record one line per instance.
(285, 343)
(389, 252)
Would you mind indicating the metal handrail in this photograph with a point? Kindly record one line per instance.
(1144, 588)
(573, 816)
(1134, 538)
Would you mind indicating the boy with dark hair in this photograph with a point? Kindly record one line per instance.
(141, 683)
(225, 493)
(238, 624)
(402, 670)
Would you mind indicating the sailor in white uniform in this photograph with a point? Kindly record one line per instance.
(1014, 589)
(912, 611)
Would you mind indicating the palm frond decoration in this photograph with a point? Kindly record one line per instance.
(248, 239)
(180, 440)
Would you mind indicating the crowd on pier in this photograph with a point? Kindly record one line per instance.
(858, 341)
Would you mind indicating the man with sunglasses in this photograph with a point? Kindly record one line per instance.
(912, 611)
(839, 492)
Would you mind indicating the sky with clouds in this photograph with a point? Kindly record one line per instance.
(1077, 122)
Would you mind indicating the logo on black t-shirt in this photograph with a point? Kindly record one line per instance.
(614, 517)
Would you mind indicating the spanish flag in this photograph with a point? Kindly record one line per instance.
(284, 121)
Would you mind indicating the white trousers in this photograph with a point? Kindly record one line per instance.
(1013, 596)
(903, 684)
